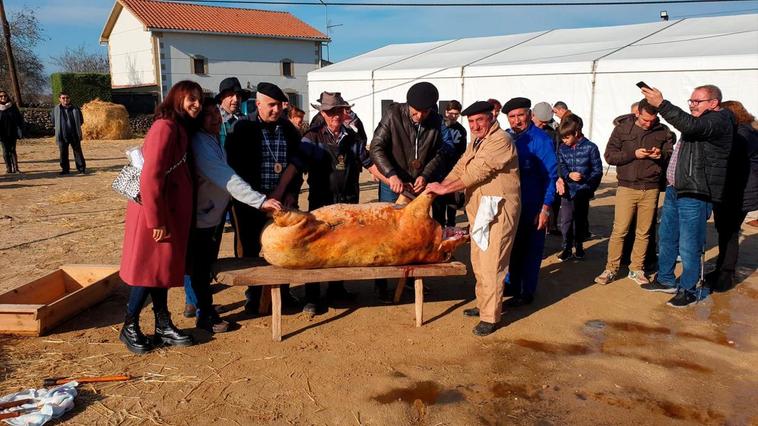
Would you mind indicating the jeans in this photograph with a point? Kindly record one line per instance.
(189, 294)
(203, 246)
(386, 194)
(138, 297)
(682, 232)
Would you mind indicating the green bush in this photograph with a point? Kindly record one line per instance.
(82, 87)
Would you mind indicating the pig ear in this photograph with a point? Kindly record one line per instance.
(287, 217)
(421, 205)
(403, 200)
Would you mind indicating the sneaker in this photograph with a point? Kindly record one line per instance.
(657, 286)
(473, 312)
(638, 277)
(565, 255)
(606, 277)
(579, 252)
(686, 298)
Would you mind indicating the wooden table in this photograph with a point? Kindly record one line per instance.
(255, 272)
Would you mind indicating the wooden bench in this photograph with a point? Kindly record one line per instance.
(255, 272)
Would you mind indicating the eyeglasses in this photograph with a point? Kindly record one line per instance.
(694, 102)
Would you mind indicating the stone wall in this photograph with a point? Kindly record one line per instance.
(39, 123)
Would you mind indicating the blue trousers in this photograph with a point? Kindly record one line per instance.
(526, 256)
(386, 194)
(682, 232)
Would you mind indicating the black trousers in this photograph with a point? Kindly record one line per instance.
(443, 210)
(204, 245)
(574, 220)
(138, 297)
(554, 222)
(728, 220)
(9, 155)
(76, 146)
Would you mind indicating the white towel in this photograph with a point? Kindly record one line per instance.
(48, 404)
(480, 233)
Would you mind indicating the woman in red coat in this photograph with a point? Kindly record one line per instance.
(157, 230)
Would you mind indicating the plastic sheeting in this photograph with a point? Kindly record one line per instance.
(593, 70)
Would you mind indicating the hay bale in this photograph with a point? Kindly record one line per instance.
(105, 120)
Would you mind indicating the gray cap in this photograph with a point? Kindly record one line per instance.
(543, 111)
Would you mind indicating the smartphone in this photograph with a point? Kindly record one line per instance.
(642, 84)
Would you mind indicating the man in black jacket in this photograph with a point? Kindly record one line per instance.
(264, 152)
(411, 147)
(695, 176)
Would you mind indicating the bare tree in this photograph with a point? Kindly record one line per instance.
(80, 60)
(27, 34)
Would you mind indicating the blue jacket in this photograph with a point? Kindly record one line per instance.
(584, 157)
(537, 167)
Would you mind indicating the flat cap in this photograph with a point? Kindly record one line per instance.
(543, 111)
(477, 107)
(516, 103)
(272, 91)
(423, 95)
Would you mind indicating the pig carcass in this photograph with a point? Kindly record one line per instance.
(372, 234)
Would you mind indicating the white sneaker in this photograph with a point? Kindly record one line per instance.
(606, 277)
(638, 277)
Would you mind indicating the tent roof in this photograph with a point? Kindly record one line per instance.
(685, 44)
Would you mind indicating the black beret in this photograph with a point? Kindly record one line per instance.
(272, 91)
(423, 95)
(477, 107)
(516, 103)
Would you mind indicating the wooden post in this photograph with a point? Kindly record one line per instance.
(276, 313)
(418, 285)
(9, 55)
(265, 300)
(399, 289)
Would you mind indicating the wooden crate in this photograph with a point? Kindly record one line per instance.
(35, 308)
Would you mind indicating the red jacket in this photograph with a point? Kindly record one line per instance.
(166, 201)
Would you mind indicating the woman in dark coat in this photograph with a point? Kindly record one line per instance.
(740, 196)
(157, 230)
(11, 123)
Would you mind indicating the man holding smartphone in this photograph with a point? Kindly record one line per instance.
(696, 178)
(639, 147)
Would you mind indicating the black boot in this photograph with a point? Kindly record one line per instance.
(133, 338)
(167, 333)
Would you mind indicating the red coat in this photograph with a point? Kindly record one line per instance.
(166, 201)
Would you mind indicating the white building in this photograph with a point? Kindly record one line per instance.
(153, 44)
(593, 70)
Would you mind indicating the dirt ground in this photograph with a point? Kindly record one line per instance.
(581, 354)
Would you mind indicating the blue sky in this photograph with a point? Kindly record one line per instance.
(70, 23)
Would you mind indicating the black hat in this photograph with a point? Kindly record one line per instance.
(231, 83)
(423, 96)
(516, 103)
(477, 107)
(272, 91)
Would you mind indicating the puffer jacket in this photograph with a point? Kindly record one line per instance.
(393, 147)
(704, 154)
(584, 157)
(625, 139)
(749, 132)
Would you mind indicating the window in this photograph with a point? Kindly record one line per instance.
(199, 65)
(288, 68)
(294, 98)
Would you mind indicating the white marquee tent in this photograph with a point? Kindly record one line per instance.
(594, 70)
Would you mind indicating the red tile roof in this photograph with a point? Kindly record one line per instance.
(167, 15)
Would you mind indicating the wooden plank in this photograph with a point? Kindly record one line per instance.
(40, 291)
(19, 308)
(239, 272)
(276, 313)
(418, 285)
(399, 289)
(22, 324)
(89, 273)
(73, 303)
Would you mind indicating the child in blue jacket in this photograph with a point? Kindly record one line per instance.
(579, 172)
